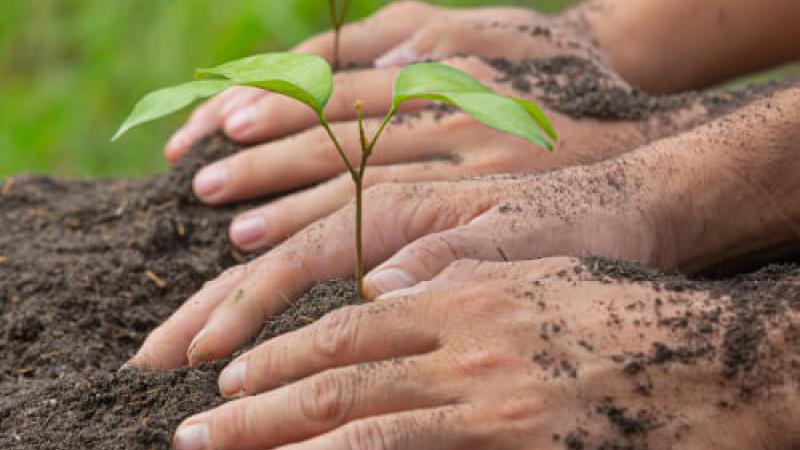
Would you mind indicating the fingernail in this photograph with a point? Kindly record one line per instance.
(231, 380)
(241, 121)
(191, 437)
(177, 142)
(398, 56)
(210, 181)
(248, 230)
(190, 353)
(390, 280)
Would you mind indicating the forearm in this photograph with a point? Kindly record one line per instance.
(668, 46)
(729, 188)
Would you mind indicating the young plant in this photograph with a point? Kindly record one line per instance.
(337, 16)
(309, 80)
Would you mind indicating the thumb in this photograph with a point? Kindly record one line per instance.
(426, 257)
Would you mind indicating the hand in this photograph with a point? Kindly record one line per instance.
(426, 226)
(400, 33)
(480, 363)
(430, 145)
(720, 191)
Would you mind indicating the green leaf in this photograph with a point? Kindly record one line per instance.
(168, 100)
(501, 113)
(421, 80)
(538, 116)
(449, 85)
(306, 78)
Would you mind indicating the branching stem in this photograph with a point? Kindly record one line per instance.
(337, 20)
(324, 122)
(366, 152)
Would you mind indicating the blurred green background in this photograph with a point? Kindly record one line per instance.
(70, 70)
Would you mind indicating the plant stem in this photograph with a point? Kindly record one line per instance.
(378, 133)
(337, 20)
(360, 237)
(366, 151)
(360, 201)
(324, 122)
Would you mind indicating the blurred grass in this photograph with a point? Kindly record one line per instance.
(70, 70)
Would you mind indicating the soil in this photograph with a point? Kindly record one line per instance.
(582, 88)
(87, 269)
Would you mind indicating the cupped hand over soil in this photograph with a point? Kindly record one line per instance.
(476, 362)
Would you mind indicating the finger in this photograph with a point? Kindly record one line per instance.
(350, 335)
(363, 41)
(479, 37)
(275, 222)
(276, 115)
(207, 118)
(442, 428)
(311, 157)
(179, 330)
(426, 257)
(477, 271)
(317, 405)
(393, 216)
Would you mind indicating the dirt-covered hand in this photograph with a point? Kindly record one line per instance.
(396, 35)
(432, 144)
(605, 210)
(513, 365)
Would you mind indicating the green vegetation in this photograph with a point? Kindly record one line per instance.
(71, 69)
(309, 79)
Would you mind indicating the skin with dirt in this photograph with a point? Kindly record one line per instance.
(87, 269)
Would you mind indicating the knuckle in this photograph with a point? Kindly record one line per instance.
(516, 409)
(436, 247)
(461, 266)
(476, 360)
(335, 333)
(484, 301)
(365, 435)
(326, 399)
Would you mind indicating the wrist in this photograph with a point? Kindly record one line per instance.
(727, 190)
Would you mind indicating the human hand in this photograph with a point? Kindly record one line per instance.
(429, 145)
(507, 356)
(398, 34)
(601, 210)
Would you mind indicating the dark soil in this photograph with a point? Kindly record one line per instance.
(87, 269)
(582, 88)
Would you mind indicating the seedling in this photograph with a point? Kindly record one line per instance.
(337, 16)
(309, 79)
